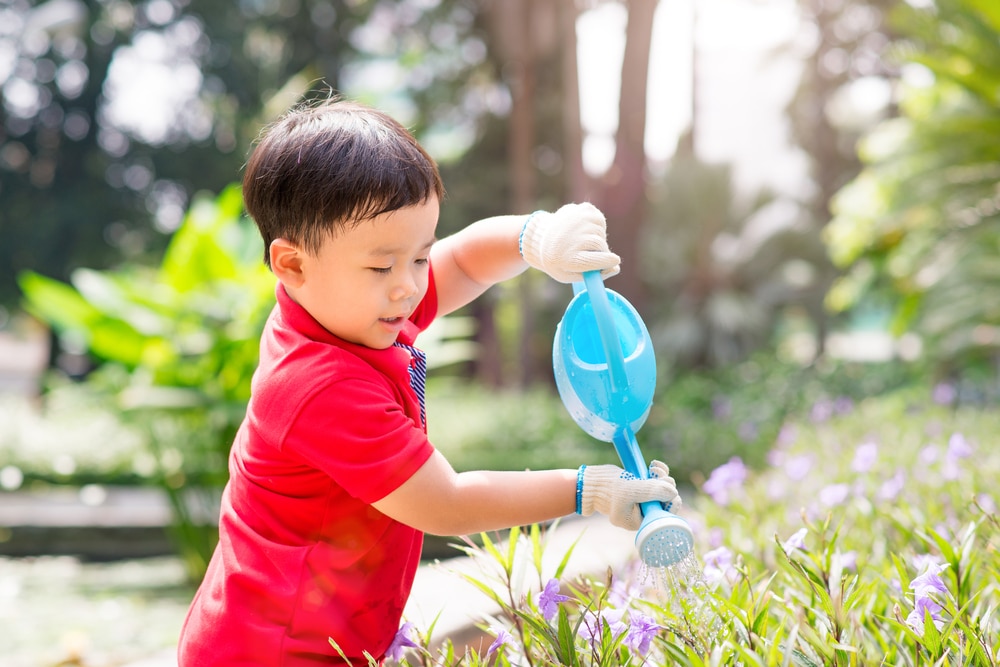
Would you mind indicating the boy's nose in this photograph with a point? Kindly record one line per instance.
(405, 288)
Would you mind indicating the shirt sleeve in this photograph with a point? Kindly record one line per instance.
(427, 309)
(355, 431)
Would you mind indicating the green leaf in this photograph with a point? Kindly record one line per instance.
(947, 550)
(932, 636)
(491, 548)
(486, 589)
(512, 540)
(56, 303)
(567, 639)
(802, 660)
(196, 255)
(116, 340)
(759, 625)
(989, 11)
(564, 561)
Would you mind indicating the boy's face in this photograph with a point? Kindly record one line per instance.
(366, 281)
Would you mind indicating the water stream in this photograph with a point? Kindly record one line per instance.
(685, 597)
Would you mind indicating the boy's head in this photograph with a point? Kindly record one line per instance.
(323, 168)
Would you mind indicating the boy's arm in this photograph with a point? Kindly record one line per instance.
(440, 501)
(563, 244)
(472, 260)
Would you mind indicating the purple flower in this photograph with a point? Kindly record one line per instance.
(776, 457)
(929, 582)
(401, 641)
(959, 447)
(716, 536)
(843, 405)
(926, 588)
(777, 489)
(847, 560)
(722, 408)
(928, 455)
(641, 631)
(821, 411)
(796, 541)
(592, 628)
(787, 435)
(865, 457)
(797, 467)
(920, 608)
(550, 598)
(924, 562)
(892, 487)
(622, 591)
(719, 565)
(944, 393)
(503, 638)
(987, 503)
(726, 478)
(835, 494)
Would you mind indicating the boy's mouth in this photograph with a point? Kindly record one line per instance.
(393, 323)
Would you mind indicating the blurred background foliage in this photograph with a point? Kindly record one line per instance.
(919, 228)
(125, 234)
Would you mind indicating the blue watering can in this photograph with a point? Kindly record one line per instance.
(605, 370)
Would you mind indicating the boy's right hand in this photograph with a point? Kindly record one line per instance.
(568, 242)
(617, 493)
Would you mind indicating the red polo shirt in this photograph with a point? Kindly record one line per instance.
(331, 427)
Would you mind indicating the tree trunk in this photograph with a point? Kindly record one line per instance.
(622, 190)
(513, 24)
(687, 144)
(578, 183)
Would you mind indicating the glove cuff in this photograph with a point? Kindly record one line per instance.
(529, 243)
(596, 486)
(579, 489)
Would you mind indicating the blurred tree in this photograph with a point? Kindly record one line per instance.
(112, 113)
(720, 270)
(844, 90)
(919, 228)
(528, 156)
(621, 191)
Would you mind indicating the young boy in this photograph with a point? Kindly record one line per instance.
(332, 479)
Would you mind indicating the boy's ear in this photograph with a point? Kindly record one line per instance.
(286, 262)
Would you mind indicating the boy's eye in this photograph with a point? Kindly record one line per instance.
(422, 260)
(380, 269)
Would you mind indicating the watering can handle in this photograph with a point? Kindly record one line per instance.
(606, 328)
(624, 439)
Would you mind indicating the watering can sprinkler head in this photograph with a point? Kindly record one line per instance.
(664, 539)
(605, 371)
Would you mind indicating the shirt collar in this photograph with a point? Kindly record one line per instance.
(299, 319)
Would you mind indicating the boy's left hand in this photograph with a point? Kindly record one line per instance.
(568, 242)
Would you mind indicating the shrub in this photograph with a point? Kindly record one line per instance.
(868, 538)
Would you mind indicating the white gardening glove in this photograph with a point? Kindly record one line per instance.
(568, 242)
(617, 493)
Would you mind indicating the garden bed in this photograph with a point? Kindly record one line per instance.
(871, 536)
